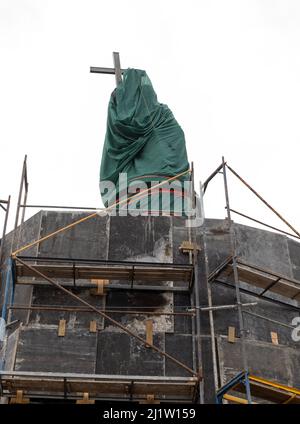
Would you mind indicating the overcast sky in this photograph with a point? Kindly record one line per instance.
(229, 71)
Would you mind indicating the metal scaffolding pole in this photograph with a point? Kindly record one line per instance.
(7, 203)
(263, 200)
(236, 276)
(23, 184)
(195, 293)
(210, 307)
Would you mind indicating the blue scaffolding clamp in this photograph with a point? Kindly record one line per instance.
(242, 377)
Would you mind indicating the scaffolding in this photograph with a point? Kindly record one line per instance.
(246, 276)
(260, 388)
(66, 274)
(41, 271)
(145, 276)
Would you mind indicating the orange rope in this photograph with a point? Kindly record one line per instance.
(120, 202)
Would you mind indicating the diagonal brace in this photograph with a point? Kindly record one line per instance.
(116, 323)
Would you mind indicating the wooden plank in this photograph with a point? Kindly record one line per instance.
(149, 332)
(62, 328)
(272, 394)
(100, 289)
(263, 279)
(98, 388)
(85, 400)
(109, 272)
(19, 399)
(235, 399)
(93, 326)
(274, 338)
(150, 400)
(231, 334)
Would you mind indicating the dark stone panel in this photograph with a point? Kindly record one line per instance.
(256, 327)
(182, 324)
(203, 289)
(269, 361)
(260, 329)
(224, 318)
(180, 233)
(10, 351)
(294, 360)
(263, 248)
(87, 240)
(296, 272)
(26, 233)
(218, 245)
(180, 347)
(6, 246)
(294, 251)
(120, 354)
(208, 371)
(222, 295)
(265, 360)
(40, 349)
(145, 361)
(113, 353)
(22, 296)
(139, 301)
(136, 299)
(143, 238)
(205, 328)
(51, 296)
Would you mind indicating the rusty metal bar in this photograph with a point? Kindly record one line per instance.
(24, 202)
(263, 223)
(263, 200)
(4, 228)
(102, 314)
(206, 182)
(111, 311)
(24, 174)
(222, 307)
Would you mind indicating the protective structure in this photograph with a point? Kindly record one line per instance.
(143, 140)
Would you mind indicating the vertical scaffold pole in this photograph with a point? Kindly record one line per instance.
(7, 294)
(193, 259)
(4, 229)
(211, 317)
(21, 191)
(247, 386)
(235, 275)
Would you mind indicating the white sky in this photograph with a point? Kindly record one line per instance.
(229, 71)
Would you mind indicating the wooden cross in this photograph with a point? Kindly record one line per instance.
(116, 70)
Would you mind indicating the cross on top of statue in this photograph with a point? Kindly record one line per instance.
(116, 70)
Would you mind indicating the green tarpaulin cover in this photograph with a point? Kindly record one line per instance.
(143, 139)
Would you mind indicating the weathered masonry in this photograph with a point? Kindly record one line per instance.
(132, 269)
